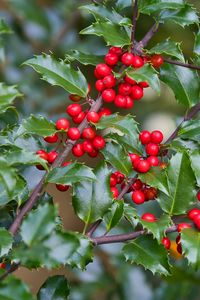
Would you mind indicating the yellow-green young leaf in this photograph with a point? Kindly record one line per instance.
(197, 43)
(59, 73)
(152, 6)
(114, 214)
(54, 288)
(190, 130)
(7, 95)
(6, 241)
(92, 199)
(131, 215)
(195, 163)
(184, 83)
(147, 252)
(84, 58)
(190, 241)
(146, 73)
(73, 173)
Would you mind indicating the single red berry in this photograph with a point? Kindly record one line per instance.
(179, 248)
(109, 81)
(135, 158)
(120, 101)
(198, 196)
(193, 213)
(74, 109)
(115, 192)
(88, 133)
(145, 137)
(73, 133)
(111, 59)
(98, 142)
(108, 95)
(87, 146)
(152, 149)
(157, 60)
(93, 117)
(146, 59)
(196, 220)
(148, 217)
(156, 137)
(99, 85)
(66, 163)
(183, 226)
(138, 62)
(78, 119)
(96, 74)
(153, 160)
(116, 50)
(77, 150)
(143, 166)
(137, 185)
(113, 180)
(103, 70)
(166, 242)
(51, 139)
(127, 59)
(143, 84)
(62, 187)
(150, 193)
(52, 155)
(42, 154)
(125, 89)
(2, 265)
(178, 239)
(137, 92)
(138, 197)
(120, 177)
(104, 112)
(74, 98)
(129, 102)
(130, 80)
(62, 124)
(94, 153)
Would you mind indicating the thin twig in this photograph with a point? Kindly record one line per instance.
(149, 35)
(134, 21)
(178, 63)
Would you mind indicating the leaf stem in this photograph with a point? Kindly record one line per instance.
(178, 63)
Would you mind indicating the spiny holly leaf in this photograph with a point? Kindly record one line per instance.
(130, 143)
(152, 6)
(37, 125)
(190, 242)
(114, 214)
(92, 199)
(183, 81)
(179, 176)
(13, 288)
(116, 155)
(4, 28)
(157, 228)
(83, 254)
(147, 252)
(197, 43)
(180, 145)
(169, 48)
(146, 73)
(195, 163)
(38, 224)
(54, 288)
(6, 241)
(131, 215)
(113, 34)
(183, 17)
(84, 58)
(8, 176)
(71, 174)
(60, 74)
(7, 95)
(190, 130)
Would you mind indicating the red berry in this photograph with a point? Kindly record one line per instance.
(96, 74)
(73, 110)
(143, 166)
(196, 220)
(2, 265)
(94, 153)
(111, 59)
(178, 239)
(135, 158)
(152, 149)
(98, 142)
(120, 177)
(156, 137)
(125, 89)
(127, 59)
(100, 85)
(179, 248)
(109, 81)
(89, 133)
(78, 119)
(87, 146)
(130, 80)
(150, 193)
(93, 117)
(143, 84)
(166, 242)
(137, 185)
(157, 60)
(120, 101)
(103, 70)
(138, 197)
(77, 150)
(183, 226)
(52, 156)
(108, 95)
(148, 217)
(198, 196)
(137, 92)
(73, 133)
(115, 192)
(42, 154)
(138, 62)
(66, 163)
(74, 98)
(129, 102)
(105, 112)
(193, 213)
(145, 137)
(116, 50)
(62, 187)
(153, 160)
(51, 139)
(113, 180)
(62, 124)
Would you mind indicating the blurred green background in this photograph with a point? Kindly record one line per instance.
(50, 25)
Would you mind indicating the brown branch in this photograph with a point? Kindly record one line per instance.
(134, 21)
(178, 63)
(12, 269)
(149, 35)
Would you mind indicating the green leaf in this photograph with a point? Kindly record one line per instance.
(54, 288)
(38, 224)
(73, 173)
(180, 145)
(130, 143)
(147, 252)
(113, 34)
(7, 95)
(84, 58)
(114, 214)
(152, 6)
(92, 199)
(190, 130)
(116, 155)
(8, 176)
(6, 241)
(4, 28)
(146, 73)
(168, 47)
(179, 176)
(121, 4)
(58, 73)
(195, 164)
(157, 228)
(183, 81)
(131, 215)
(197, 43)
(13, 288)
(190, 241)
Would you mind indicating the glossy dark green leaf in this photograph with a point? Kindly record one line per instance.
(83, 58)
(152, 6)
(195, 163)
(131, 215)
(114, 214)
(6, 241)
(130, 143)
(180, 145)
(197, 43)
(190, 130)
(147, 252)
(121, 4)
(7, 95)
(184, 83)
(146, 73)
(190, 241)
(59, 73)
(8, 176)
(168, 47)
(116, 155)
(71, 174)
(92, 199)
(54, 288)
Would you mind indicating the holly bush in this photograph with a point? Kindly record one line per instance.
(134, 166)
